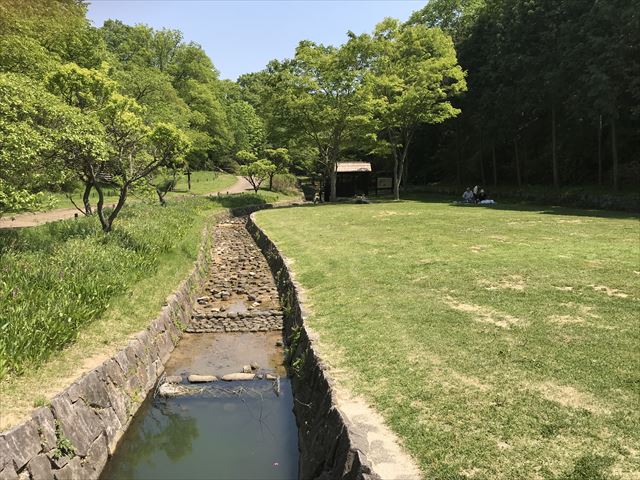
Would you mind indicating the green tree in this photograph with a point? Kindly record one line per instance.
(135, 152)
(320, 96)
(246, 127)
(257, 172)
(280, 158)
(20, 54)
(414, 74)
(88, 90)
(59, 26)
(37, 133)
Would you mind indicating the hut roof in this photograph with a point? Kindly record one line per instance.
(343, 167)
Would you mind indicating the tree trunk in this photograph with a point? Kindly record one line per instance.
(518, 174)
(189, 179)
(600, 150)
(398, 164)
(405, 175)
(482, 175)
(100, 208)
(614, 153)
(271, 182)
(495, 164)
(396, 174)
(161, 197)
(85, 197)
(121, 199)
(333, 179)
(458, 157)
(554, 157)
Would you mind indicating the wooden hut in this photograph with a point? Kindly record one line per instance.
(352, 178)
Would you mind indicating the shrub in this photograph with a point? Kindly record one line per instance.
(285, 183)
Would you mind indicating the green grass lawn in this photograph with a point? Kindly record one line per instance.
(497, 342)
(70, 296)
(202, 183)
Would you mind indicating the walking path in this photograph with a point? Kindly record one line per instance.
(40, 218)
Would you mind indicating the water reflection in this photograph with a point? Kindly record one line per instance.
(243, 434)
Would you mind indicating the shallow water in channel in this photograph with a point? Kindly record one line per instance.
(229, 430)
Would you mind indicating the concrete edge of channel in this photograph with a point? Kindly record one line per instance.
(340, 436)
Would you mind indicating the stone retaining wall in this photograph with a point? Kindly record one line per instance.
(327, 440)
(73, 437)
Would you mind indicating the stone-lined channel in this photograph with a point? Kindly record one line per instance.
(197, 428)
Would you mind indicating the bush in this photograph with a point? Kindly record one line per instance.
(285, 183)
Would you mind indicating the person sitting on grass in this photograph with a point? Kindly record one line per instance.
(467, 196)
(482, 195)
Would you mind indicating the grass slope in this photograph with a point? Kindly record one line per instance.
(498, 343)
(202, 183)
(69, 295)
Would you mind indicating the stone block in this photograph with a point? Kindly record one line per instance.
(57, 462)
(145, 340)
(96, 458)
(8, 473)
(112, 424)
(159, 368)
(165, 346)
(92, 390)
(46, 427)
(143, 376)
(238, 376)
(78, 422)
(22, 444)
(4, 453)
(137, 348)
(202, 378)
(40, 468)
(71, 471)
(113, 371)
(118, 400)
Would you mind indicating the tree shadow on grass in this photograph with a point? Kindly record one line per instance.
(554, 210)
(508, 205)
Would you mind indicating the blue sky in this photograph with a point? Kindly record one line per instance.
(242, 36)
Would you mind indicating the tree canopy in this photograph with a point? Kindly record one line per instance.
(477, 91)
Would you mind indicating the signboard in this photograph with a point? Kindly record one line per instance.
(384, 183)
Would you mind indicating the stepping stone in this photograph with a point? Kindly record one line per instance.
(238, 376)
(202, 378)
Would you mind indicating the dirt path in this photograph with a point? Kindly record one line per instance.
(39, 218)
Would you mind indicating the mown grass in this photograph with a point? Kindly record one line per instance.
(151, 251)
(498, 343)
(202, 183)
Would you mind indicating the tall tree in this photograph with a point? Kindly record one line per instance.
(135, 152)
(280, 158)
(88, 90)
(37, 133)
(414, 75)
(321, 96)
